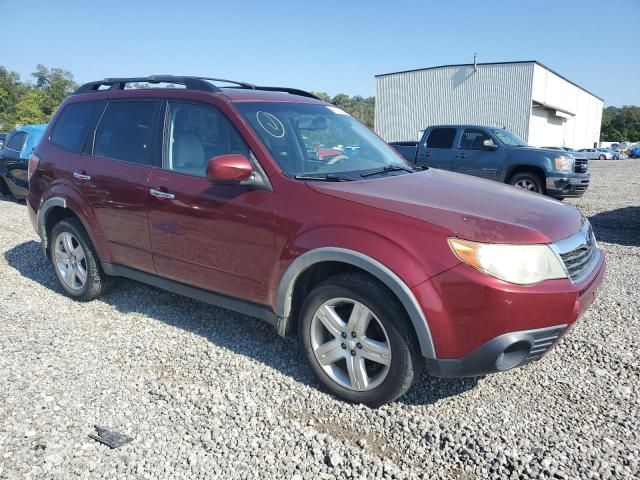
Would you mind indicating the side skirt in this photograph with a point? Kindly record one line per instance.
(246, 308)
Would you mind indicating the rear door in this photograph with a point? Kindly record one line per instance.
(126, 145)
(436, 149)
(216, 237)
(473, 158)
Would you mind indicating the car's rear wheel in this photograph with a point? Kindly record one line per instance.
(602, 157)
(358, 341)
(527, 181)
(75, 262)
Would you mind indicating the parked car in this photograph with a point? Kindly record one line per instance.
(635, 152)
(596, 154)
(382, 269)
(2, 137)
(497, 154)
(614, 154)
(13, 159)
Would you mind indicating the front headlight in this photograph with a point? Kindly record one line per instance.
(520, 264)
(564, 164)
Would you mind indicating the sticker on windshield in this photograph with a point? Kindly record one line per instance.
(270, 124)
(337, 110)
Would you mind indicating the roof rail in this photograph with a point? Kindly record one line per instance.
(191, 83)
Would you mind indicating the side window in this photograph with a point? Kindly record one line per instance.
(127, 131)
(16, 142)
(441, 138)
(473, 138)
(197, 133)
(72, 128)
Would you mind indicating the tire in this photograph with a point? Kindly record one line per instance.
(602, 157)
(4, 189)
(527, 181)
(85, 259)
(388, 326)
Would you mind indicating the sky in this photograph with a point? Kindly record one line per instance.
(330, 46)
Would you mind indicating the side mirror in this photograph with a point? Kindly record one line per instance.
(231, 168)
(489, 145)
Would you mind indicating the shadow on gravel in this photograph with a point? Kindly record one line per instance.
(620, 226)
(244, 335)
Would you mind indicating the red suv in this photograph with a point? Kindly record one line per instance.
(227, 195)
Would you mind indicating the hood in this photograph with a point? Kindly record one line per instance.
(468, 207)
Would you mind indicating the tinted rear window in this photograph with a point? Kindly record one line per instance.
(16, 142)
(127, 131)
(441, 138)
(75, 123)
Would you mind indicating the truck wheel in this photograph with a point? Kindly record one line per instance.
(75, 262)
(358, 341)
(527, 181)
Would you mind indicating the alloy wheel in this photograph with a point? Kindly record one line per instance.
(70, 261)
(526, 184)
(350, 344)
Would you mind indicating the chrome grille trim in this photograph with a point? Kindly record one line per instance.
(578, 253)
(581, 165)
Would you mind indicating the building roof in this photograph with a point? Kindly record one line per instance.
(492, 63)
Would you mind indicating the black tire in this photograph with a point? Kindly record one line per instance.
(406, 363)
(602, 157)
(524, 177)
(96, 279)
(4, 189)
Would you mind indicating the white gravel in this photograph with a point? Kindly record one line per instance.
(211, 394)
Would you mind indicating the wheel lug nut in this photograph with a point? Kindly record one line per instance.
(353, 352)
(353, 334)
(344, 346)
(344, 334)
(359, 345)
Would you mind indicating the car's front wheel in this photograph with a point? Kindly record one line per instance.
(358, 341)
(75, 262)
(602, 157)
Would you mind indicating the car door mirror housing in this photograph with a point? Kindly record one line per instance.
(489, 145)
(232, 168)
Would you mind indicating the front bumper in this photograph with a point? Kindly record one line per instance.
(482, 325)
(567, 186)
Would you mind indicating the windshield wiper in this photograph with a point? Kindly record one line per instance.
(386, 168)
(324, 177)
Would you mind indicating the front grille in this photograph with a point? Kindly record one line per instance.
(578, 261)
(581, 165)
(542, 342)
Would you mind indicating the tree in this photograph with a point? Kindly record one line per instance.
(29, 108)
(620, 124)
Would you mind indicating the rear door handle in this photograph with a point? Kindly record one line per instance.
(461, 155)
(160, 194)
(81, 175)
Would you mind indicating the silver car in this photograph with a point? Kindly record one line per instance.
(596, 154)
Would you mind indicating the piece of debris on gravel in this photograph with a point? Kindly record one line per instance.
(213, 394)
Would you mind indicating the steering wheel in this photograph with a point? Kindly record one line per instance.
(336, 159)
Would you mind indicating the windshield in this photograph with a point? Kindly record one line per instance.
(314, 139)
(509, 139)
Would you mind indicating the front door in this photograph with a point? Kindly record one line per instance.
(114, 181)
(216, 237)
(473, 158)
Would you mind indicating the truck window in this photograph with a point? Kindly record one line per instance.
(441, 138)
(472, 139)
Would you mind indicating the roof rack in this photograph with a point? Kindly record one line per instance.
(190, 83)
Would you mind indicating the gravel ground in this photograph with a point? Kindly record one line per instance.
(208, 393)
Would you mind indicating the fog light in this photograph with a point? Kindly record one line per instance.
(513, 356)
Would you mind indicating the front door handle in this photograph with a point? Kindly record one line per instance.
(160, 194)
(81, 175)
(461, 155)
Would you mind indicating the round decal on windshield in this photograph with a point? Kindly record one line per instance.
(270, 124)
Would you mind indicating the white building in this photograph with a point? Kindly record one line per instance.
(536, 103)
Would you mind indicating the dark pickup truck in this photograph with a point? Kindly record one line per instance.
(497, 154)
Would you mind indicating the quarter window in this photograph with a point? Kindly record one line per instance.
(441, 138)
(127, 132)
(72, 128)
(473, 139)
(196, 134)
(16, 142)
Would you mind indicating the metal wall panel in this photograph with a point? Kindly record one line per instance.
(494, 95)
